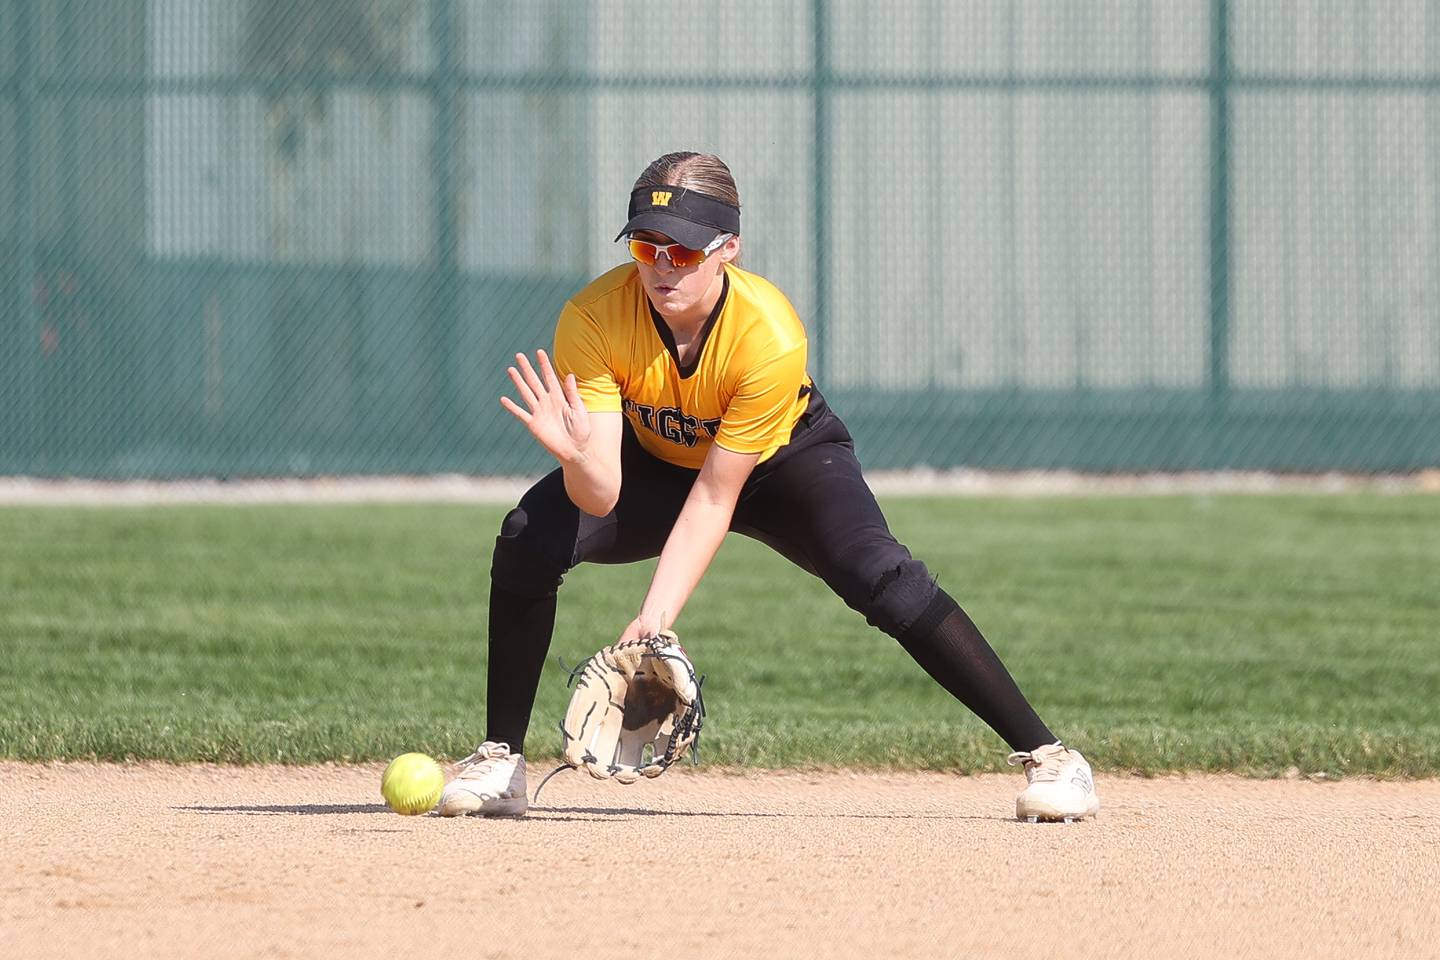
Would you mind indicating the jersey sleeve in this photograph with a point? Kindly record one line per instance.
(759, 416)
(582, 348)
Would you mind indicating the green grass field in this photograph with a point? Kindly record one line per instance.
(1239, 633)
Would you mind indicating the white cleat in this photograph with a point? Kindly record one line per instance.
(1061, 787)
(491, 783)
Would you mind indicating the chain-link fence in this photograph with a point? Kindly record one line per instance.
(303, 236)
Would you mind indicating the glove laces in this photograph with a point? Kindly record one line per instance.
(690, 724)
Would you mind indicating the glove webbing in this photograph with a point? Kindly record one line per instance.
(693, 719)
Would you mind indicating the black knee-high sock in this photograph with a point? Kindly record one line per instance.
(520, 629)
(949, 646)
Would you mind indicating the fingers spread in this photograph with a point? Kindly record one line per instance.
(552, 383)
(523, 388)
(529, 373)
(572, 394)
(523, 415)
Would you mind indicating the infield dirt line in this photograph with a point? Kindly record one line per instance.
(163, 861)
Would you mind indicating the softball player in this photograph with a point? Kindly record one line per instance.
(679, 408)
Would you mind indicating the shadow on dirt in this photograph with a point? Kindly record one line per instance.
(298, 809)
(638, 812)
(340, 809)
(558, 814)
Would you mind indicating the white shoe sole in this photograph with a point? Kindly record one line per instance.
(508, 807)
(512, 807)
(1039, 813)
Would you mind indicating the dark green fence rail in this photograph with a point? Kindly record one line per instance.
(303, 237)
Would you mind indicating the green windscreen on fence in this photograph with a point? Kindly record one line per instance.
(244, 237)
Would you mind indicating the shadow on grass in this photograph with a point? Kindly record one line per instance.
(298, 809)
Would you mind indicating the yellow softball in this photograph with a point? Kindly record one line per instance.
(412, 784)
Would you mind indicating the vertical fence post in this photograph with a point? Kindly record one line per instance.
(25, 337)
(1220, 247)
(820, 80)
(444, 421)
(68, 105)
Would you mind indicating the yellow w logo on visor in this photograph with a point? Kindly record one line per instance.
(660, 198)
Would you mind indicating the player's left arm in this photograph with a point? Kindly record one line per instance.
(698, 531)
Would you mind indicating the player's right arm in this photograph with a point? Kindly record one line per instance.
(587, 445)
(593, 480)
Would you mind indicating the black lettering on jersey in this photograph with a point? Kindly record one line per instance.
(671, 422)
(676, 427)
(629, 406)
(667, 425)
(645, 412)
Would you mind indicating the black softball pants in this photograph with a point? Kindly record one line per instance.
(809, 502)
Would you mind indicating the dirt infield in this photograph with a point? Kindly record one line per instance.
(219, 862)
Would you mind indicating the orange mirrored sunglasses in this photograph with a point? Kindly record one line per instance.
(679, 255)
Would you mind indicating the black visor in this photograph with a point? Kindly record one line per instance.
(694, 219)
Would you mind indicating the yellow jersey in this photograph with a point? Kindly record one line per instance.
(744, 389)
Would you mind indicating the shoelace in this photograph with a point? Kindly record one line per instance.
(482, 757)
(1043, 767)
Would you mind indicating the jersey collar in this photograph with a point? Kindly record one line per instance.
(668, 338)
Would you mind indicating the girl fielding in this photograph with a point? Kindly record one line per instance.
(679, 409)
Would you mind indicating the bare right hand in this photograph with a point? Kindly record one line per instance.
(556, 417)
